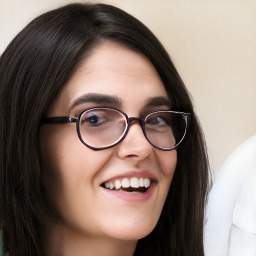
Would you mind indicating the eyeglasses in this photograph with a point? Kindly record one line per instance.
(101, 127)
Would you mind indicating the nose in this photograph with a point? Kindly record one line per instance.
(135, 144)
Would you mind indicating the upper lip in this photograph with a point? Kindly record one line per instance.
(130, 174)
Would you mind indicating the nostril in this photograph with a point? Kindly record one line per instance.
(131, 155)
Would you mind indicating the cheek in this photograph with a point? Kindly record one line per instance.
(167, 163)
(67, 163)
(167, 160)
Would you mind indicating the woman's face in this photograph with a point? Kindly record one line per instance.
(74, 175)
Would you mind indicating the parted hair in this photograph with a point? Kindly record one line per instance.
(33, 69)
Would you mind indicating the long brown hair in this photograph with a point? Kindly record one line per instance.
(33, 69)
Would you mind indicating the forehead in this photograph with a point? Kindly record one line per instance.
(113, 69)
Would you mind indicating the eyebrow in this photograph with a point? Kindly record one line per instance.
(158, 101)
(104, 99)
(101, 99)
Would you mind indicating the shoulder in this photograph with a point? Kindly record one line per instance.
(231, 225)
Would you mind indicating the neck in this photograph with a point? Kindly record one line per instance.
(60, 241)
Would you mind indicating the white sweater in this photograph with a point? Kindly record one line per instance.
(230, 227)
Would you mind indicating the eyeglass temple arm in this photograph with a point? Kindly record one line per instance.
(60, 120)
(188, 117)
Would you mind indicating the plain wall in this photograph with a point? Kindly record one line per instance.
(212, 44)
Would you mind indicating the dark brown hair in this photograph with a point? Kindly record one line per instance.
(33, 69)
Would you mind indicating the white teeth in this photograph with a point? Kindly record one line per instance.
(146, 182)
(111, 186)
(118, 184)
(134, 182)
(141, 182)
(125, 183)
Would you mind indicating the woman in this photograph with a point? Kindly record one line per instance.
(117, 184)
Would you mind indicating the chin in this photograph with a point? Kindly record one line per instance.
(132, 231)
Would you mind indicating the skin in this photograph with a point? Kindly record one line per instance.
(93, 221)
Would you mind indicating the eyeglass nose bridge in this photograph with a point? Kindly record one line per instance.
(131, 120)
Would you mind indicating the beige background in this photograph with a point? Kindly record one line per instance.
(213, 45)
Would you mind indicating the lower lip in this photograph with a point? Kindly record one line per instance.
(133, 197)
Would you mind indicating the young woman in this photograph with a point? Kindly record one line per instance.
(101, 151)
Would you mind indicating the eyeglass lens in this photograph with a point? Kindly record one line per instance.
(104, 127)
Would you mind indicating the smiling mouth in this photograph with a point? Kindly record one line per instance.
(134, 184)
